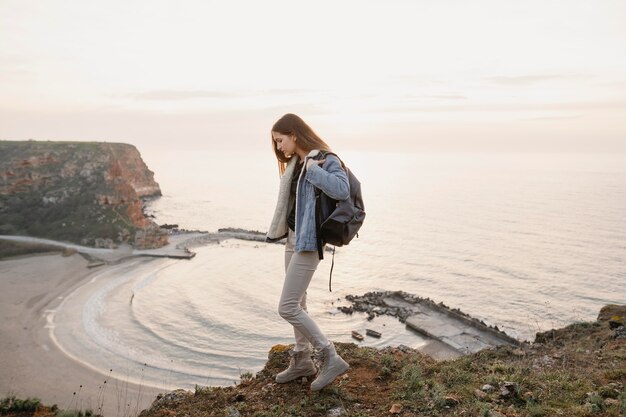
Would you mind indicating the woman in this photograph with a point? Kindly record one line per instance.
(296, 147)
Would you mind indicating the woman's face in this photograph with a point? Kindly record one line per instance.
(285, 143)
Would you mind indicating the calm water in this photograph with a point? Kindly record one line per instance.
(526, 242)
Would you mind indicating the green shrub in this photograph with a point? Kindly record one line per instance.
(246, 377)
(12, 404)
(412, 381)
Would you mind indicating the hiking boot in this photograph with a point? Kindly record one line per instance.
(300, 365)
(332, 366)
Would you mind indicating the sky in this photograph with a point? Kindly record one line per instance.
(501, 75)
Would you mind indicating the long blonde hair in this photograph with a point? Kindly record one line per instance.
(290, 124)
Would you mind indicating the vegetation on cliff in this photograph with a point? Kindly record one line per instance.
(82, 192)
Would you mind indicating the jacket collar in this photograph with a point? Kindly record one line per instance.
(312, 154)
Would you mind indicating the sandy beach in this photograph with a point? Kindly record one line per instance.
(32, 365)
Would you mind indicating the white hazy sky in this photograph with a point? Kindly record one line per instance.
(421, 74)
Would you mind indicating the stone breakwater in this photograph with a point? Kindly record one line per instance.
(450, 331)
(204, 237)
(398, 304)
(187, 239)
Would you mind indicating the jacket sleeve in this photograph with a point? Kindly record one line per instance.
(331, 178)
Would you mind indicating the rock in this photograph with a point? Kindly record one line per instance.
(505, 393)
(396, 409)
(278, 351)
(609, 311)
(487, 388)
(172, 397)
(511, 386)
(508, 389)
(404, 349)
(336, 412)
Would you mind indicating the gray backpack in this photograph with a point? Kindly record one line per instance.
(338, 221)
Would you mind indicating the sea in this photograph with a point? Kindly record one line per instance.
(523, 241)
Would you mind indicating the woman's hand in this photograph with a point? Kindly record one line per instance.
(312, 161)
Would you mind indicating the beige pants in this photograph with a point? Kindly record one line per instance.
(299, 269)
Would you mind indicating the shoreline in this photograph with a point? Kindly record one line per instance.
(36, 285)
(33, 364)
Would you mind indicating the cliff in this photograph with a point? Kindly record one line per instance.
(82, 192)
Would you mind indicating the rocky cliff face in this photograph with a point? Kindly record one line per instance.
(84, 192)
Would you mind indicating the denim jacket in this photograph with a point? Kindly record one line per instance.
(330, 178)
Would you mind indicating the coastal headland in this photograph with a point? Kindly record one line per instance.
(87, 193)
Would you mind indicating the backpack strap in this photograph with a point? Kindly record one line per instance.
(318, 216)
(332, 265)
(318, 224)
(320, 245)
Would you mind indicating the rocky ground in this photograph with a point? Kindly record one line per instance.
(579, 370)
